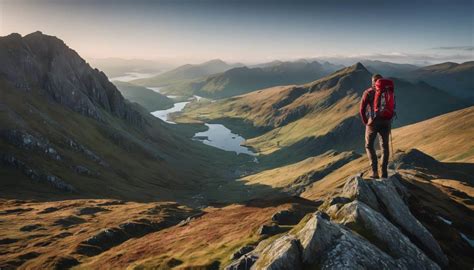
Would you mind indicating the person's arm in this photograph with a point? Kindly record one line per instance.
(363, 107)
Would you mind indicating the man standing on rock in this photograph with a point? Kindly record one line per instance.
(377, 109)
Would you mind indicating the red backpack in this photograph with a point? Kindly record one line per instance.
(384, 99)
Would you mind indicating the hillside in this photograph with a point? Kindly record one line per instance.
(294, 122)
(186, 73)
(456, 79)
(149, 99)
(67, 132)
(449, 137)
(242, 80)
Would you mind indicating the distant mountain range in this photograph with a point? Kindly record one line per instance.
(115, 67)
(457, 79)
(186, 73)
(241, 80)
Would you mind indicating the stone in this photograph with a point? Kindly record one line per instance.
(281, 254)
(400, 214)
(377, 229)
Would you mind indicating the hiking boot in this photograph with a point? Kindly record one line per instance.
(384, 174)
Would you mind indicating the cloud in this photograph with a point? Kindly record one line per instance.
(455, 48)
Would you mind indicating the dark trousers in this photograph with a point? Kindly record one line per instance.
(371, 131)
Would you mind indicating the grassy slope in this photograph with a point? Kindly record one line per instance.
(149, 99)
(449, 137)
(52, 241)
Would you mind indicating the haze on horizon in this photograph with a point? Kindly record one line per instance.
(251, 31)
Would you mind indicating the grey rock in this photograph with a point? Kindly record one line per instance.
(331, 246)
(359, 189)
(27, 141)
(35, 174)
(281, 254)
(376, 228)
(400, 214)
(244, 262)
(270, 229)
(242, 251)
(339, 200)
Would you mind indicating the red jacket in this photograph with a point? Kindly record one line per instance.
(366, 101)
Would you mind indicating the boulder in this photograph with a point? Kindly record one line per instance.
(331, 246)
(359, 189)
(377, 229)
(281, 254)
(400, 214)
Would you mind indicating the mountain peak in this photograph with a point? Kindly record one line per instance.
(214, 61)
(359, 66)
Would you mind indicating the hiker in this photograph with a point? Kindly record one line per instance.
(377, 109)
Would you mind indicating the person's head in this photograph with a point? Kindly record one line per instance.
(375, 77)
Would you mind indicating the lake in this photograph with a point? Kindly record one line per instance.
(221, 137)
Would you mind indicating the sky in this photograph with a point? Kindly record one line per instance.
(251, 31)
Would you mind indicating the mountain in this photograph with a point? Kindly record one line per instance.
(294, 122)
(242, 80)
(388, 69)
(186, 73)
(456, 79)
(149, 99)
(67, 132)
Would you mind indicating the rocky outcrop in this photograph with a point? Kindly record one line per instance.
(283, 253)
(27, 141)
(367, 225)
(38, 61)
(35, 174)
(375, 227)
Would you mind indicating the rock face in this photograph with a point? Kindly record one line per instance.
(283, 253)
(38, 61)
(369, 226)
(374, 226)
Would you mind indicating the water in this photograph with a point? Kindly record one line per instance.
(163, 114)
(221, 137)
(130, 76)
(217, 135)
